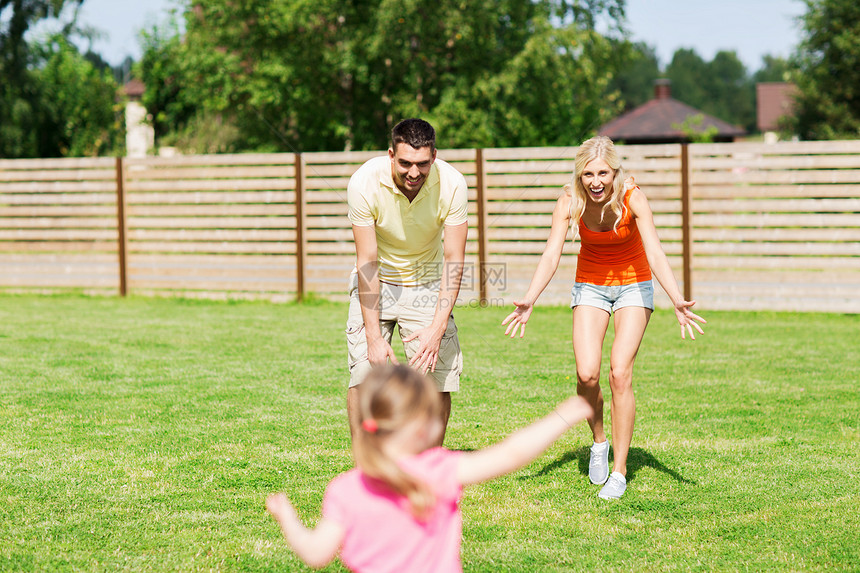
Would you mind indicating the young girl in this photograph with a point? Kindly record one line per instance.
(398, 510)
(619, 251)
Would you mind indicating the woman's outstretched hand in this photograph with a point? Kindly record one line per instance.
(518, 318)
(687, 319)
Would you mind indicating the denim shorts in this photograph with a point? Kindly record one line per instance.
(611, 298)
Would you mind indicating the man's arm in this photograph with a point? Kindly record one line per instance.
(367, 264)
(452, 272)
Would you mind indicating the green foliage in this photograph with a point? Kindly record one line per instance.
(721, 87)
(565, 101)
(693, 130)
(53, 101)
(19, 120)
(827, 71)
(328, 75)
(689, 75)
(18, 17)
(161, 68)
(635, 80)
(205, 133)
(144, 434)
(733, 91)
(18, 137)
(773, 69)
(81, 115)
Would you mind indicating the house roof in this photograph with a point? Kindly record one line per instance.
(134, 88)
(659, 120)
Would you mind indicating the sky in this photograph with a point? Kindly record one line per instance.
(752, 28)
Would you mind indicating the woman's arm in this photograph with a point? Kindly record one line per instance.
(546, 268)
(522, 446)
(316, 547)
(659, 264)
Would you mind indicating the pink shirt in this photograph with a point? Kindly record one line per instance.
(381, 533)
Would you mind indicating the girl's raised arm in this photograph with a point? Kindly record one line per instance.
(316, 547)
(659, 264)
(546, 268)
(522, 446)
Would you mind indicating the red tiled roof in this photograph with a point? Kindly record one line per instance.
(134, 88)
(659, 118)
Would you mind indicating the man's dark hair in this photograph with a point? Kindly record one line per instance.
(415, 132)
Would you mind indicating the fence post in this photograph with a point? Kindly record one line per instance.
(686, 216)
(480, 187)
(122, 227)
(301, 227)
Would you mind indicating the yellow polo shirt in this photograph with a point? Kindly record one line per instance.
(408, 235)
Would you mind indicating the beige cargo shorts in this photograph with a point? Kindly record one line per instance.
(410, 309)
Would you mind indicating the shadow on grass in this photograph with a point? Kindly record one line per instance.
(636, 459)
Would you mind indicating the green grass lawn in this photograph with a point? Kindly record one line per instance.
(144, 434)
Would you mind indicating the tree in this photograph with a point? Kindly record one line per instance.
(18, 117)
(292, 75)
(732, 91)
(827, 71)
(278, 69)
(635, 79)
(162, 71)
(773, 69)
(693, 129)
(689, 75)
(79, 113)
(554, 92)
(721, 88)
(53, 100)
(18, 17)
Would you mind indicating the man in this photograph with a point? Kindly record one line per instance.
(398, 206)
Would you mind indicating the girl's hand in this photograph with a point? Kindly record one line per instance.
(518, 318)
(316, 547)
(687, 319)
(281, 509)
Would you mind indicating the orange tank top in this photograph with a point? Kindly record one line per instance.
(615, 257)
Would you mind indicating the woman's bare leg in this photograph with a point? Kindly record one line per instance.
(630, 323)
(589, 330)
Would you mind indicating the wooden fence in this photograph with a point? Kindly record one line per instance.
(745, 225)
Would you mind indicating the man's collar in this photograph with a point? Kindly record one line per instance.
(386, 179)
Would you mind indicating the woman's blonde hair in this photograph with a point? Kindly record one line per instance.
(389, 398)
(599, 147)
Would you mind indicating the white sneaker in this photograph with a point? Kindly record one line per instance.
(614, 488)
(598, 463)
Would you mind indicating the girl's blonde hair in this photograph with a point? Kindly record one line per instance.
(600, 147)
(389, 398)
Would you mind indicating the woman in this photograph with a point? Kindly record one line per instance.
(619, 252)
